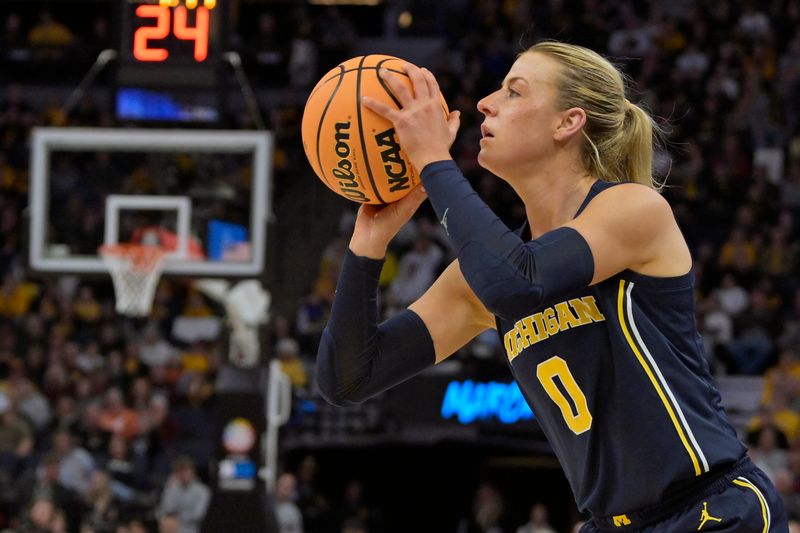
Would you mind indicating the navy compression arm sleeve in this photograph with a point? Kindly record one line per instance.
(359, 358)
(508, 275)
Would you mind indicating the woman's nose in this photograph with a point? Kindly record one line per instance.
(485, 105)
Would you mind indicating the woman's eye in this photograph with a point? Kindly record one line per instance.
(512, 92)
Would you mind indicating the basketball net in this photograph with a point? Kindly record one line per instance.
(135, 270)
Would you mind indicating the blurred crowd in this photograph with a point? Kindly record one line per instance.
(105, 421)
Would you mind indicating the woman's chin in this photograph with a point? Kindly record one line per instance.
(485, 162)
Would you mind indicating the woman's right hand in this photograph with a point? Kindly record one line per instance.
(376, 225)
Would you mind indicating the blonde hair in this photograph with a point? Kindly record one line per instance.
(619, 134)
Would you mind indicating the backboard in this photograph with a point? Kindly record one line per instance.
(207, 192)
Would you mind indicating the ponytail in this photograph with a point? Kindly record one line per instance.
(637, 145)
(618, 135)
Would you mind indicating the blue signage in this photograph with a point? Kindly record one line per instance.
(468, 401)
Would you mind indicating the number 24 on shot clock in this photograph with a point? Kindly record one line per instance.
(171, 30)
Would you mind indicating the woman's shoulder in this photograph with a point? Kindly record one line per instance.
(632, 227)
(630, 189)
(625, 201)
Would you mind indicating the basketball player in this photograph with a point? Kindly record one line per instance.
(593, 297)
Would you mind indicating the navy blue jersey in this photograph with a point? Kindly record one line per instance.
(618, 380)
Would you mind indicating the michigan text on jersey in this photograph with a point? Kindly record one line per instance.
(550, 321)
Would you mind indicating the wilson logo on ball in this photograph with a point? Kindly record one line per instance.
(339, 133)
(348, 186)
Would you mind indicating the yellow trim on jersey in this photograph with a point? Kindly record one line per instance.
(742, 482)
(654, 381)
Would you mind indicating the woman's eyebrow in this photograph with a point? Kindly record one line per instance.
(509, 81)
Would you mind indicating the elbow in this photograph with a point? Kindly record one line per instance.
(329, 382)
(334, 397)
(334, 394)
(502, 285)
(516, 304)
(335, 391)
(331, 393)
(507, 297)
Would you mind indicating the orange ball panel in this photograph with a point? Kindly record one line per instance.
(351, 149)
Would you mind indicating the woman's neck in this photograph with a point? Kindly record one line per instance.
(552, 196)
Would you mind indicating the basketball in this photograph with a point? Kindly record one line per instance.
(354, 151)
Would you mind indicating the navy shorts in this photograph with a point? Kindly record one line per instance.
(741, 500)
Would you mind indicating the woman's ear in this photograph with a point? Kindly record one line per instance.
(572, 120)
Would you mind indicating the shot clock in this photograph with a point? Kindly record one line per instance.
(149, 40)
(167, 43)
(170, 60)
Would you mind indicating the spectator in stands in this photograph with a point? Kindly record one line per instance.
(329, 267)
(316, 510)
(14, 43)
(355, 507)
(196, 306)
(169, 524)
(76, 465)
(738, 253)
(90, 432)
(288, 353)
(154, 350)
(124, 468)
(43, 516)
(49, 37)
(487, 515)
(99, 39)
(290, 520)
(311, 316)
(140, 393)
(692, 63)
(785, 421)
(86, 307)
(90, 359)
(337, 38)
(184, 498)
(16, 296)
(416, 271)
(16, 438)
(791, 499)
(731, 297)
(103, 510)
(195, 387)
(754, 24)
(66, 414)
(158, 434)
(45, 485)
(717, 330)
(769, 451)
(633, 39)
(269, 50)
(116, 417)
(751, 350)
(537, 522)
(30, 403)
(303, 52)
(784, 378)
(779, 257)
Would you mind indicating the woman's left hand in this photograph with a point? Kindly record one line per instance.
(424, 131)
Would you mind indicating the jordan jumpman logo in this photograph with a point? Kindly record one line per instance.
(705, 517)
